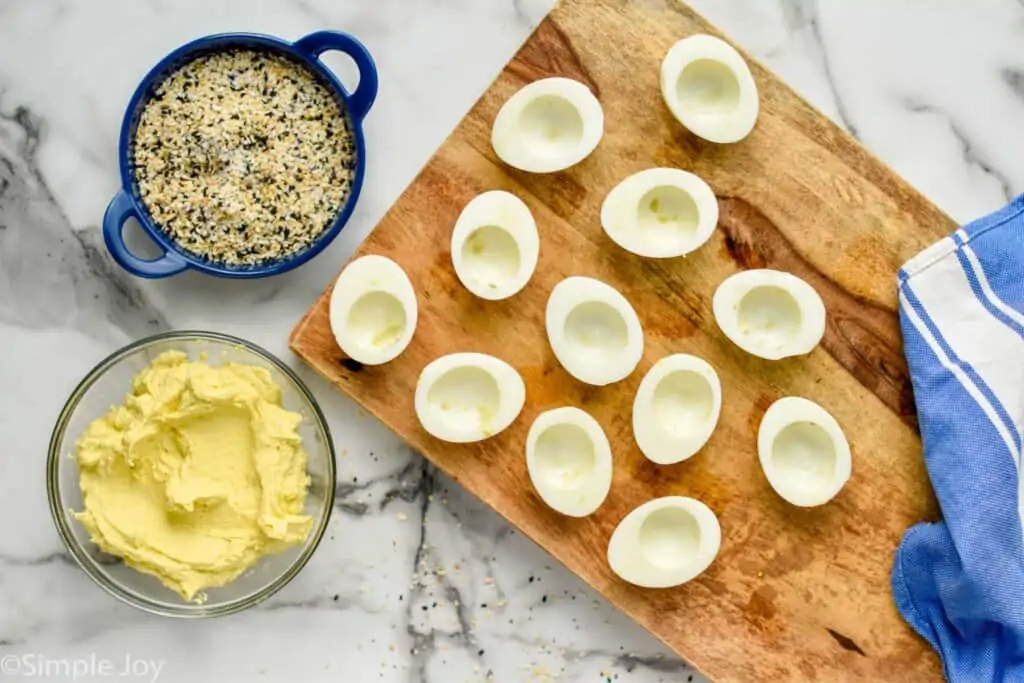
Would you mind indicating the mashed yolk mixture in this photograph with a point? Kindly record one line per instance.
(197, 475)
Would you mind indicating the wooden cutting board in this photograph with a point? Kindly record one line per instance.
(795, 594)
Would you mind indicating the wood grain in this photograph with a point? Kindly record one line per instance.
(794, 594)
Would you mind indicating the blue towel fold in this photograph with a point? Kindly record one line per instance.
(960, 582)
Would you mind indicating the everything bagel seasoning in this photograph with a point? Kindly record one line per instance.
(243, 158)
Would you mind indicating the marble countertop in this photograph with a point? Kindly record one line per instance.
(935, 89)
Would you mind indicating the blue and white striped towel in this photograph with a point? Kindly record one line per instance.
(960, 582)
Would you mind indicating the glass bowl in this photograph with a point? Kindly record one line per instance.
(106, 385)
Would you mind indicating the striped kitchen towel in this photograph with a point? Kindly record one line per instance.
(960, 582)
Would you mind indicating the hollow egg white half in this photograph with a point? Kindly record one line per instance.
(660, 213)
(465, 397)
(803, 452)
(676, 408)
(593, 330)
(708, 87)
(373, 310)
(495, 245)
(569, 460)
(769, 313)
(665, 542)
(548, 125)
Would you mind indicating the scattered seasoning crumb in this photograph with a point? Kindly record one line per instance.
(335, 597)
(243, 157)
(402, 516)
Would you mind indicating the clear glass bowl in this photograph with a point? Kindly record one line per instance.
(107, 385)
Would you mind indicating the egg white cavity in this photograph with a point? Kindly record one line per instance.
(708, 87)
(569, 461)
(373, 310)
(665, 542)
(465, 397)
(676, 408)
(769, 313)
(669, 537)
(803, 452)
(548, 125)
(495, 245)
(660, 213)
(593, 331)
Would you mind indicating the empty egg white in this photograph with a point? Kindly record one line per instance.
(803, 452)
(676, 408)
(548, 125)
(569, 460)
(373, 310)
(495, 245)
(769, 313)
(660, 213)
(593, 330)
(708, 87)
(665, 542)
(464, 397)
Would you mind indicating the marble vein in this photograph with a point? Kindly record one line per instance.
(627, 662)
(422, 641)
(406, 484)
(971, 154)
(1014, 79)
(44, 259)
(322, 602)
(60, 557)
(801, 14)
(520, 12)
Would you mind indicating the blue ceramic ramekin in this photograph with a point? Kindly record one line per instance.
(306, 51)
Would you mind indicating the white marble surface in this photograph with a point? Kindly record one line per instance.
(934, 87)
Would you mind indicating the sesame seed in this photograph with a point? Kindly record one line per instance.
(243, 158)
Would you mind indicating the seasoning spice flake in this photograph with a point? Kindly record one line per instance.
(243, 157)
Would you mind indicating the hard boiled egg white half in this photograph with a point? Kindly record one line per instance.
(495, 245)
(548, 125)
(373, 310)
(464, 397)
(665, 542)
(660, 213)
(803, 452)
(569, 460)
(593, 330)
(708, 87)
(769, 313)
(676, 408)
